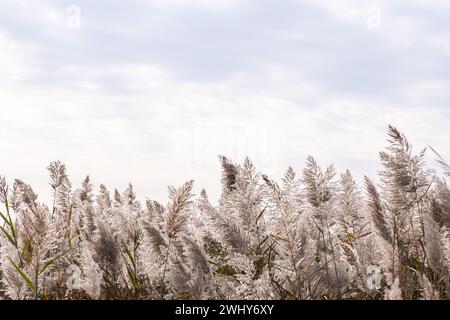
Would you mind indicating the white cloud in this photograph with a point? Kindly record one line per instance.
(152, 97)
(219, 5)
(13, 65)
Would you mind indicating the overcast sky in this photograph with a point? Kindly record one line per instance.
(150, 91)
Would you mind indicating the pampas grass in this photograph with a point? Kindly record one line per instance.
(317, 235)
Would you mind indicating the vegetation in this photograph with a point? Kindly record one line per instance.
(317, 235)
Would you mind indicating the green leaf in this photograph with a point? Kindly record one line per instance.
(25, 248)
(8, 220)
(130, 256)
(11, 224)
(48, 263)
(131, 269)
(260, 215)
(10, 238)
(23, 275)
(4, 218)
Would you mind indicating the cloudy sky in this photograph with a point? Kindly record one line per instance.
(150, 91)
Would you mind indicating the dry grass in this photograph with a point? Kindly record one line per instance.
(315, 236)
